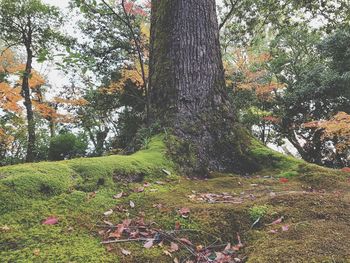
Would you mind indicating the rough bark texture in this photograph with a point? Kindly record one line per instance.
(188, 87)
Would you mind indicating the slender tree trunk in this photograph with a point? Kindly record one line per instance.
(30, 157)
(188, 91)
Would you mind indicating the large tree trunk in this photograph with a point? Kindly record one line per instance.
(187, 85)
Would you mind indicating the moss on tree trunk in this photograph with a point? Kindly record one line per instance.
(188, 92)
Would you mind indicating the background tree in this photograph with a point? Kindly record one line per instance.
(31, 25)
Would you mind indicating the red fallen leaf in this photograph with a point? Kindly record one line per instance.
(146, 184)
(284, 180)
(277, 221)
(177, 225)
(145, 234)
(148, 244)
(134, 234)
(186, 241)
(346, 169)
(50, 221)
(285, 228)
(173, 247)
(118, 232)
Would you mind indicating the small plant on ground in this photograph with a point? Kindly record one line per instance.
(257, 211)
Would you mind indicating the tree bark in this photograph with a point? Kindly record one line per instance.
(30, 156)
(187, 84)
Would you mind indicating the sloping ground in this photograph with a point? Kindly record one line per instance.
(312, 203)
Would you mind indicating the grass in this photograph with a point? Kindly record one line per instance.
(314, 203)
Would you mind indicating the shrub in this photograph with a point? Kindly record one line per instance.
(66, 146)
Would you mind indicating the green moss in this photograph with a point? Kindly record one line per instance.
(257, 211)
(318, 221)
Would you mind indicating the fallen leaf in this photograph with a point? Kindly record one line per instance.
(132, 204)
(228, 247)
(5, 228)
(166, 252)
(160, 182)
(117, 196)
(173, 247)
(186, 241)
(126, 252)
(108, 213)
(118, 232)
(184, 212)
(177, 225)
(285, 228)
(50, 221)
(277, 221)
(108, 223)
(146, 184)
(126, 222)
(284, 180)
(139, 189)
(273, 231)
(199, 248)
(148, 244)
(166, 172)
(36, 252)
(176, 260)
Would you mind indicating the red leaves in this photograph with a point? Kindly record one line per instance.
(284, 180)
(50, 221)
(346, 169)
(277, 221)
(132, 9)
(118, 232)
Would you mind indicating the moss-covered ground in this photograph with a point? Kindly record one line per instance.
(314, 203)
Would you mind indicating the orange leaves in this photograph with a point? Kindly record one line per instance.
(9, 98)
(73, 102)
(133, 74)
(254, 76)
(338, 127)
(7, 60)
(5, 139)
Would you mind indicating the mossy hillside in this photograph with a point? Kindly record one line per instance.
(88, 174)
(315, 219)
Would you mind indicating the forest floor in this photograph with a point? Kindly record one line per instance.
(136, 209)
